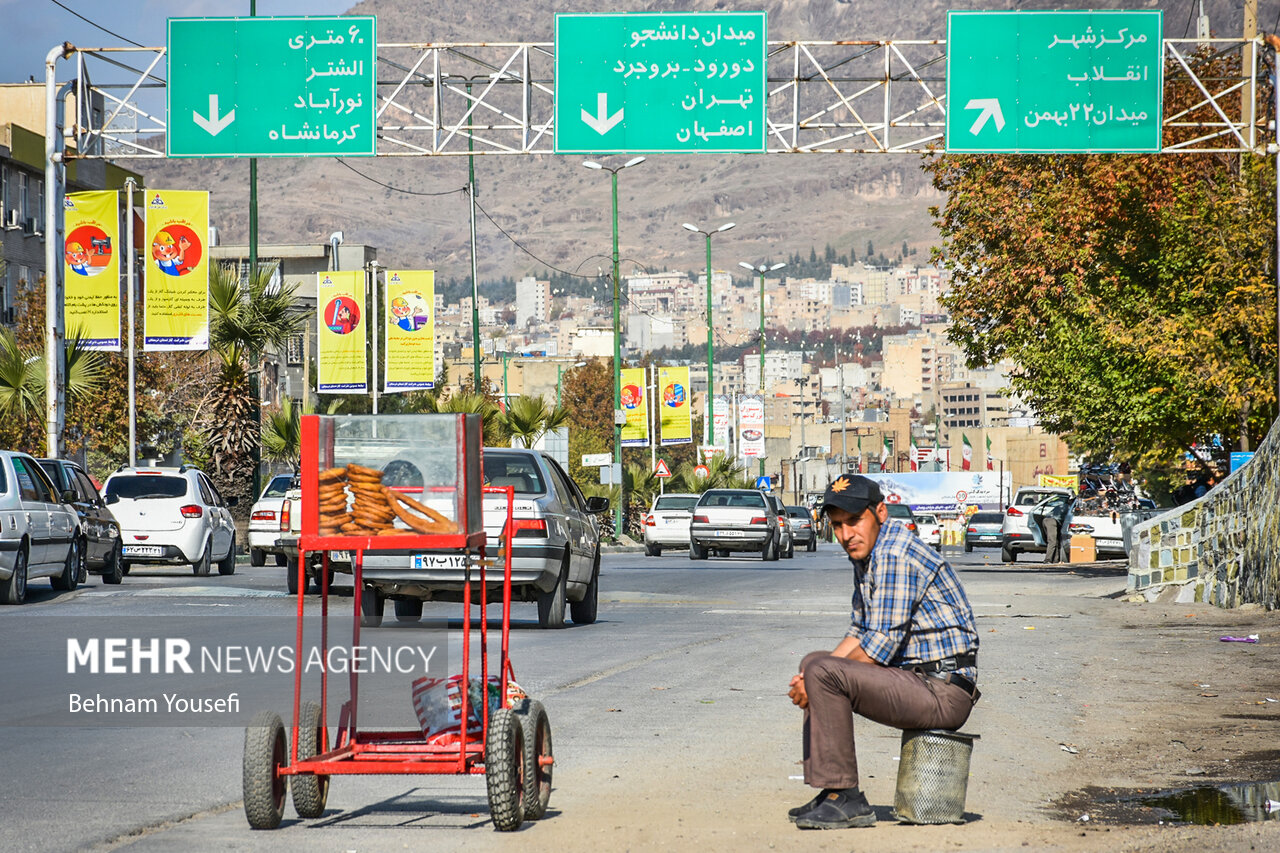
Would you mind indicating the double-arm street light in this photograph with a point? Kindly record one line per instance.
(711, 385)
(762, 269)
(617, 337)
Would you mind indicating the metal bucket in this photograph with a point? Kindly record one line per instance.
(933, 776)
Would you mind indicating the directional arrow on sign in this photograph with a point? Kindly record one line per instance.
(990, 110)
(213, 125)
(602, 122)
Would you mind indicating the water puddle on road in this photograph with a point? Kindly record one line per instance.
(1200, 805)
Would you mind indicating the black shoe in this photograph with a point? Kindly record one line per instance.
(839, 810)
(809, 806)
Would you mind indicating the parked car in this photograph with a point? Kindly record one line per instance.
(101, 547)
(727, 520)
(667, 523)
(38, 530)
(171, 516)
(286, 545)
(555, 552)
(929, 529)
(801, 522)
(903, 513)
(264, 521)
(786, 542)
(983, 530)
(1015, 535)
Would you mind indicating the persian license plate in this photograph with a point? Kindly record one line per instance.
(730, 533)
(143, 551)
(438, 561)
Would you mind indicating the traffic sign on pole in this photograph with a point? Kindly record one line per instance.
(1054, 82)
(271, 87)
(661, 469)
(670, 82)
(763, 483)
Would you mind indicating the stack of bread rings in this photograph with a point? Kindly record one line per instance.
(373, 508)
(333, 501)
(370, 513)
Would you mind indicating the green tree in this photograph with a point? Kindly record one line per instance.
(528, 419)
(587, 393)
(282, 435)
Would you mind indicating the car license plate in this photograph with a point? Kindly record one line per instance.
(143, 550)
(438, 561)
(729, 533)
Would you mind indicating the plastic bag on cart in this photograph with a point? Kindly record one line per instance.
(438, 703)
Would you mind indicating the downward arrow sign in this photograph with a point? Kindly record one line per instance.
(213, 125)
(990, 109)
(602, 122)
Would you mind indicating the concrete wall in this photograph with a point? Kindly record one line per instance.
(1222, 548)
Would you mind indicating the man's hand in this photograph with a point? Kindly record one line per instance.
(799, 697)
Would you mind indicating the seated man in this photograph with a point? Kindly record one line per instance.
(908, 660)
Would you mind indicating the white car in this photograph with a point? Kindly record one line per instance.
(1016, 537)
(172, 516)
(667, 523)
(929, 530)
(264, 521)
(39, 533)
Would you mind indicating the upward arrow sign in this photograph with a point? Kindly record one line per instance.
(602, 122)
(213, 125)
(990, 110)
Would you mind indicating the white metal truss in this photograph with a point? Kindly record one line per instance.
(824, 97)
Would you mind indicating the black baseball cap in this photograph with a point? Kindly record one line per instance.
(852, 493)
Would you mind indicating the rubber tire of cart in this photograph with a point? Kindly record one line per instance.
(537, 744)
(408, 609)
(266, 750)
(504, 770)
(291, 575)
(813, 543)
(113, 570)
(584, 612)
(310, 791)
(551, 604)
(1008, 555)
(257, 557)
(227, 565)
(69, 577)
(14, 590)
(201, 566)
(372, 605)
(696, 551)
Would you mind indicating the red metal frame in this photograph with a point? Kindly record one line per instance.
(399, 752)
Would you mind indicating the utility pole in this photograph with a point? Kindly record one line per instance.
(761, 269)
(1248, 58)
(803, 382)
(711, 384)
(475, 280)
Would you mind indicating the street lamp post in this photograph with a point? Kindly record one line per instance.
(617, 336)
(711, 385)
(762, 269)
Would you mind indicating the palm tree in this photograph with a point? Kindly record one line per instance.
(22, 383)
(528, 419)
(282, 435)
(467, 402)
(722, 473)
(642, 487)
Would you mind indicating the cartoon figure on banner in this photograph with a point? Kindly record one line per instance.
(84, 262)
(176, 255)
(631, 396)
(673, 395)
(409, 311)
(342, 315)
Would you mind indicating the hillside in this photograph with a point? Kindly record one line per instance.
(559, 211)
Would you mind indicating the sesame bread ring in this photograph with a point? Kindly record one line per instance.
(414, 505)
(331, 475)
(359, 471)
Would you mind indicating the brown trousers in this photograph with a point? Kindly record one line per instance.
(839, 688)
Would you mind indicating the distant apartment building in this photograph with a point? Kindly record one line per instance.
(909, 365)
(663, 294)
(780, 368)
(533, 301)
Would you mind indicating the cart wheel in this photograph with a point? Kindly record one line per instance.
(372, 605)
(538, 758)
(408, 609)
(504, 770)
(266, 750)
(310, 791)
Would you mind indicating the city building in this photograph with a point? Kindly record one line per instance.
(533, 301)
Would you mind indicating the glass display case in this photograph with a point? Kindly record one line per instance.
(366, 477)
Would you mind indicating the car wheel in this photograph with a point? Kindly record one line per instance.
(813, 544)
(408, 609)
(257, 557)
(227, 565)
(282, 560)
(124, 567)
(1008, 555)
(14, 590)
(201, 566)
(770, 552)
(70, 569)
(372, 605)
(83, 575)
(266, 751)
(790, 553)
(113, 572)
(539, 759)
(291, 576)
(968, 549)
(652, 551)
(584, 612)
(551, 604)
(310, 791)
(696, 551)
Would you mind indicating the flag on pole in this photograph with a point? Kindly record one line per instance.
(966, 452)
(884, 453)
(915, 455)
(859, 454)
(991, 465)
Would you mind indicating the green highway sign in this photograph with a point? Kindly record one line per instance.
(671, 82)
(1054, 82)
(271, 87)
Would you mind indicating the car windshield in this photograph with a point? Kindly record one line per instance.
(899, 510)
(676, 502)
(797, 512)
(513, 469)
(987, 518)
(1032, 498)
(926, 519)
(143, 486)
(278, 486)
(754, 500)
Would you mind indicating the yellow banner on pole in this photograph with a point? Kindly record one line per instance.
(91, 268)
(410, 330)
(635, 402)
(673, 389)
(175, 314)
(1058, 481)
(341, 333)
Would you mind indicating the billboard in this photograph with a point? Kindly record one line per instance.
(944, 491)
(175, 314)
(635, 403)
(751, 426)
(91, 268)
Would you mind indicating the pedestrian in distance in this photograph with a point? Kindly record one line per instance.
(1055, 514)
(908, 660)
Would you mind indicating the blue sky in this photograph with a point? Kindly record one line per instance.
(30, 28)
